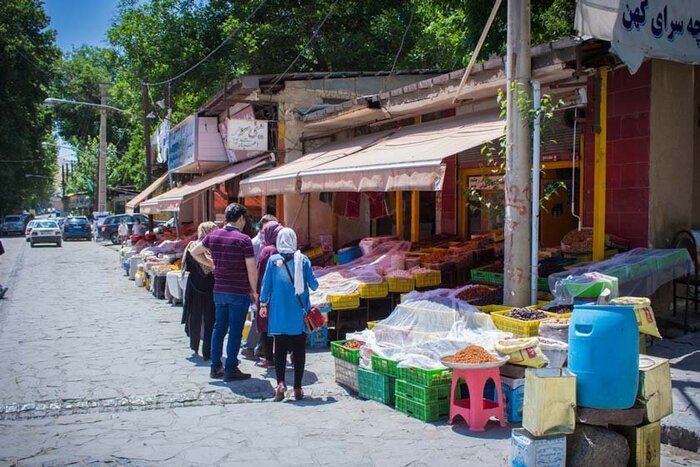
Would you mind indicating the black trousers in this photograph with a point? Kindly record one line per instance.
(201, 321)
(267, 342)
(297, 346)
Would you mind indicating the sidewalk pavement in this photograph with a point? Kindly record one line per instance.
(682, 428)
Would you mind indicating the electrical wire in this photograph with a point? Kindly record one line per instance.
(403, 39)
(303, 49)
(208, 56)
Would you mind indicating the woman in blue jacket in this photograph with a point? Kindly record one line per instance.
(284, 298)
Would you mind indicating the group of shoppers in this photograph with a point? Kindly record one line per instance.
(229, 271)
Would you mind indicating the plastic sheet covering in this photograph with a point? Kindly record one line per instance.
(640, 272)
(420, 331)
(346, 278)
(587, 285)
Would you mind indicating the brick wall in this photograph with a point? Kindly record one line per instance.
(627, 178)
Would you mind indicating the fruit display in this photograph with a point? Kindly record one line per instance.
(472, 354)
(561, 309)
(353, 344)
(526, 314)
(479, 295)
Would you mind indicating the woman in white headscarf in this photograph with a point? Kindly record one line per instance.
(284, 298)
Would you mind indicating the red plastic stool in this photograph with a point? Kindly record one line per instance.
(476, 410)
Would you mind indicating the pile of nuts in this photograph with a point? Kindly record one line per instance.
(561, 309)
(472, 354)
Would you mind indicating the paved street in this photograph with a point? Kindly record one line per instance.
(96, 370)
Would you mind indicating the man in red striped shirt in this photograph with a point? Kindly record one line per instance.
(235, 280)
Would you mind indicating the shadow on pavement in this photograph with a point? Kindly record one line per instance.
(493, 430)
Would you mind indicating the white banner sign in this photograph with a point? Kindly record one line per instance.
(668, 30)
(247, 135)
(181, 143)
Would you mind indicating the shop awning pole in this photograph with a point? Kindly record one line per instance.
(415, 216)
(534, 252)
(399, 215)
(601, 141)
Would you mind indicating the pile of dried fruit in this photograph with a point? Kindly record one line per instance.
(471, 354)
(481, 295)
(561, 309)
(353, 344)
(526, 314)
(399, 273)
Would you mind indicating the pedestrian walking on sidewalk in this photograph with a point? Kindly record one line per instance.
(138, 228)
(252, 348)
(270, 233)
(235, 281)
(198, 307)
(123, 231)
(285, 300)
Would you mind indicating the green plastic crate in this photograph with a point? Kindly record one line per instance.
(429, 412)
(486, 277)
(422, 394)
(343, 353)
(425, 377)
(376, 386)
(384, 366)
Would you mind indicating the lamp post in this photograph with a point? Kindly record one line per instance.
(102, 162)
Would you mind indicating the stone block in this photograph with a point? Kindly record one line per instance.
(593, 445)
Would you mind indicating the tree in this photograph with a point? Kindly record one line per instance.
(154, 40)
(28, 57)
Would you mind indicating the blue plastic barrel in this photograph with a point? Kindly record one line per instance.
(604, 355)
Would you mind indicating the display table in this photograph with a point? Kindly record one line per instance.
(175, 286)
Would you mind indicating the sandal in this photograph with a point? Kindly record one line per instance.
(279, 392)
(298, 394)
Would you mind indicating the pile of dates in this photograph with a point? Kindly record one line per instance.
(526, 314)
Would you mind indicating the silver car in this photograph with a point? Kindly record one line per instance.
(45, 231)
(13, 225)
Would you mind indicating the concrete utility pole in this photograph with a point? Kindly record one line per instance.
(518, 196)
(147, 138)
(102, 162)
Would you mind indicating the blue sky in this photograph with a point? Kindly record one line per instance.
(80, 22)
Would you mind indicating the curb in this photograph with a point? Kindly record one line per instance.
(680, 437)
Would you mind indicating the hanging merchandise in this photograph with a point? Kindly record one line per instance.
(347, 205)
(377, 205)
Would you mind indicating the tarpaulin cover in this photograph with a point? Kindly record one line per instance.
(427, 327)
(640, 272)
(368, 269)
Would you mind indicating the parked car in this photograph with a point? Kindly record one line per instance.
(45, 231)
(13, 225)
(28, 229)
(77, 227)
(109, 228)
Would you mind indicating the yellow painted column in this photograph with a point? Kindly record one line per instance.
(599, 184)
(399, 215)
(415, 216)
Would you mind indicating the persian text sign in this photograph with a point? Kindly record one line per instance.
(181, 144)
(668, 30)
(247, 135)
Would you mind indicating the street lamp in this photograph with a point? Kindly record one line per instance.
(102, 163)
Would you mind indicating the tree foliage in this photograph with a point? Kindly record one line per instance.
(153, 40)
(28, 58)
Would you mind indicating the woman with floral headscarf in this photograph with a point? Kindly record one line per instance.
(270, 232)
(284, 299)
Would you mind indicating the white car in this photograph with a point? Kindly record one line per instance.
(28, 229)
(45, 231)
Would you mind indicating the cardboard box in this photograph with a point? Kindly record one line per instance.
(513, 398)
(527, 451)
(655, 392)
(550, 402)
(645, 444)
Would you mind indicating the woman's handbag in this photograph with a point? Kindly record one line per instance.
(313, 318)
